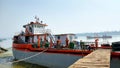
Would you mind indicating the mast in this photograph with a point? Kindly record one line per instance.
(37, 19)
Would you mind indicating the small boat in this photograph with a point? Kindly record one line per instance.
(116, 46)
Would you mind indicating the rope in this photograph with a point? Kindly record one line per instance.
(28, 57)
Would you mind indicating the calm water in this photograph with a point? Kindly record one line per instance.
(115, 62)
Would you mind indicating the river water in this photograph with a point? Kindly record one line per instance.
(5, 62)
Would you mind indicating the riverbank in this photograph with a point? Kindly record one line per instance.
(7, 53)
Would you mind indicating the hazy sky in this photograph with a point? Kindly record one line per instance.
(62, 16)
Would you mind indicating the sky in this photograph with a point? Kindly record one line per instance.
(62, 16)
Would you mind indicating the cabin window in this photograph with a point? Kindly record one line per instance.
(40, 26)
(32, 25)
(37, 26)
(71, 38)
(30, 28)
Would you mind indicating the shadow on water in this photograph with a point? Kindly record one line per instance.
(115, 63)
(26, 65)
(4, 64)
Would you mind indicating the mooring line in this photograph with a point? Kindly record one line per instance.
(27, 57)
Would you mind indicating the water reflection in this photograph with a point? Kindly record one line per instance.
(26, 65)
(115, 63)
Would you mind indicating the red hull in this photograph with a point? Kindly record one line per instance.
(28, 47)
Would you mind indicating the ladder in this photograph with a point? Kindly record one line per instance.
(52, 37)
(48, 31)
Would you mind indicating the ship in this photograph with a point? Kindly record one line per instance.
(103, 37)
(37, 45)
(39, 42)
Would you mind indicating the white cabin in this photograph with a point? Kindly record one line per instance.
(35, 28)
(63, 37)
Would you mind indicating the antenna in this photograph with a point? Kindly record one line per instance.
(37, 19)
(41, 21)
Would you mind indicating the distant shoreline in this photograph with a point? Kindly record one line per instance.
(99, 33)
